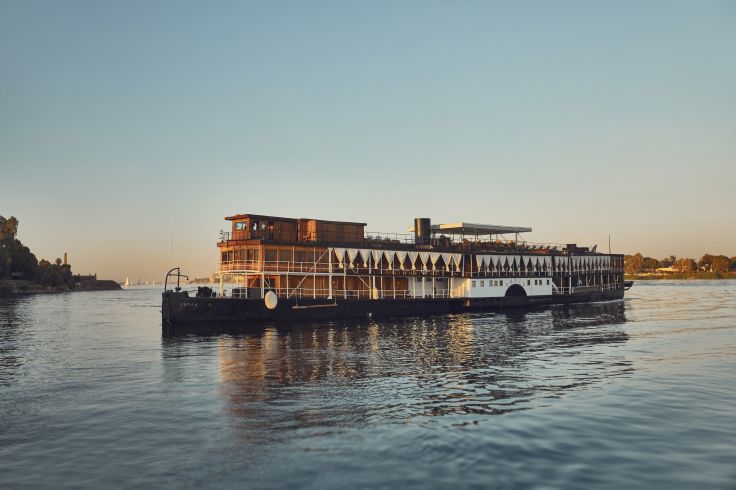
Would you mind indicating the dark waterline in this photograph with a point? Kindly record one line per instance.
(636, 393)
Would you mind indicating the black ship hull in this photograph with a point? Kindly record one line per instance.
(181, 311)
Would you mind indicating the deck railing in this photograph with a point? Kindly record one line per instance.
(323, 267)
(308, 293)
(457, 243)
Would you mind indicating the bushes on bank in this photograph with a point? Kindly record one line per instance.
(18, 262)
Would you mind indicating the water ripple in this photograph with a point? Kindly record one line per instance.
(634, 393)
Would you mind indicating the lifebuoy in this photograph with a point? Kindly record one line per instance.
(271, 300)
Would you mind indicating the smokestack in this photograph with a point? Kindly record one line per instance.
(65, 262)
(422, 230)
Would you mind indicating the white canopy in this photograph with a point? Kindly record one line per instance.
(446, 258)
(424, 257)
(389, 254)
(340, 254)
(352, 255)
(401, 255)
(413, 258)
(365, 254)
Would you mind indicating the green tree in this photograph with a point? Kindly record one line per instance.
(650, 264)
(15, 258)
(720, 263)
(705, 262)
(633, 264)
(685, 265)
(10, 229)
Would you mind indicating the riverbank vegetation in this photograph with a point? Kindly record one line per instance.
(20, 271)
(709, 266)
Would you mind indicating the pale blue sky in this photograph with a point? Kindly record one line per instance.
(578, 119)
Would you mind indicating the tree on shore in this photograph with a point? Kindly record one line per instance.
(650, 264)
(668, 261)
(633, 264)
(10, 229)
(714, 263)
(685, 265)
(54, 274)
(17, 260)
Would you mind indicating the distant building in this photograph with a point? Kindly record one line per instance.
(88, 278)
(667, 269)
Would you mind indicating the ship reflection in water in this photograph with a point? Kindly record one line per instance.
(350, 374)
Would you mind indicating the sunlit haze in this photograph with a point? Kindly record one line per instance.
(578, 119)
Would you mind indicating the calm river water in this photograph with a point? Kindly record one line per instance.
(639, 393)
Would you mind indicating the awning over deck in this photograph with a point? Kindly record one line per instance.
(462, 228)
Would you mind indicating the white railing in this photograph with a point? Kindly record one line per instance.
(307, 293)
(307, 268)
(274, 266)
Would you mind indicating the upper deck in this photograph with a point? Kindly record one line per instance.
(452, 237)
(291, 230)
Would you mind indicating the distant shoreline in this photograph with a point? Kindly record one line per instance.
(20, 286)
(681, 275)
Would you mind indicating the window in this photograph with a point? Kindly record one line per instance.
(252, 254)
(240, 225)
(528, 282)
(270, 255)
(482, 284)
(254, 225)
(547, 282)
(300, 256)
(473, 285)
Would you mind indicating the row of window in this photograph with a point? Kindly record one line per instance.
(272, 255)
(493, 283)
(242, 225)
(251, 254)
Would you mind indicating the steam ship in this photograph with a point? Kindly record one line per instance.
(292, 269)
